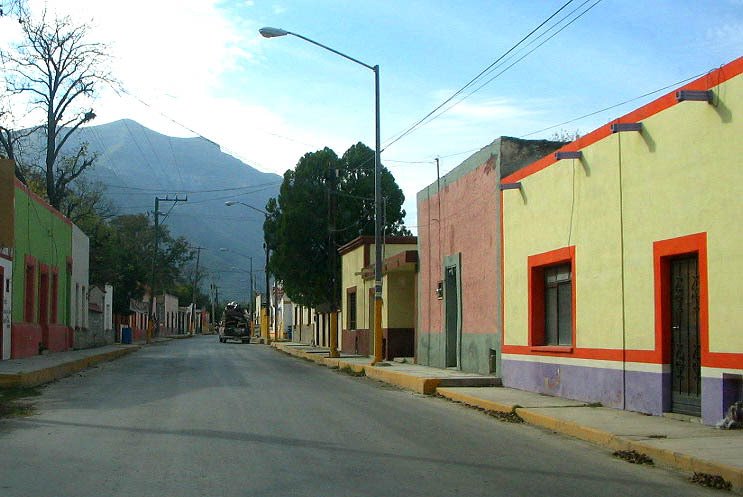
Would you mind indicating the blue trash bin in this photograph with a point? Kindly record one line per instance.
(126, 335)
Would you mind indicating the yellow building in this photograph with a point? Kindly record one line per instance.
(399, 266)
(622, 258)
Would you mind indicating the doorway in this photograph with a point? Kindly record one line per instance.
(451, 316)
(685, 343)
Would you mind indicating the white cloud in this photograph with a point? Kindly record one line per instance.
(279, 9)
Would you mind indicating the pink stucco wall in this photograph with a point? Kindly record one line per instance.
(469, 211)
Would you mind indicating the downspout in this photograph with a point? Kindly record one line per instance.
(621, 252)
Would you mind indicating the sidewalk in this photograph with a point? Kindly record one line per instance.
(684, 445)
(37, 370)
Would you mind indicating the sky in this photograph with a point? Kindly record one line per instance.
(200, 67)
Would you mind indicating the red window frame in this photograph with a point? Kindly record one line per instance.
(536, 265)
(54, 316)
(29, 291)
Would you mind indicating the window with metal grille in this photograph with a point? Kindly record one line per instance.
(351, 309)
(558, 308)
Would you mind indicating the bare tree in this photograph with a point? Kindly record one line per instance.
(59, 70)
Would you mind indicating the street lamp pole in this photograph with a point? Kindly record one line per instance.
(268, 32)
(267, 335)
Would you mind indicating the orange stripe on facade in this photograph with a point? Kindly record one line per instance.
(706, 82)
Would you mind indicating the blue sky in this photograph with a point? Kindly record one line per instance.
(202, 64)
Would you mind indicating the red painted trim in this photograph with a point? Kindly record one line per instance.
(535, 272)
(557, 349)
(29, 282)
(706, 82)
(6, 257)
(663, 252)
(43, 203)
(54, 316)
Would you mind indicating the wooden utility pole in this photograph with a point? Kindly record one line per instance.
(154, 326)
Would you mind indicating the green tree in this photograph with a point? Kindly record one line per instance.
(297, 228)
(121, 254)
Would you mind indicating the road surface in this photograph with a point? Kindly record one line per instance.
(199, 418)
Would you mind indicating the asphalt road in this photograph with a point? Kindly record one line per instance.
(199, 418)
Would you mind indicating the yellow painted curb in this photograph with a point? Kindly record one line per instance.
(421, 385)
(470, 400)
(41, 376)
(662, 456)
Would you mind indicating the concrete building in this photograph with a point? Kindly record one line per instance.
(42, 267)
(460, 262)
(303, 324)
(622, 259)
(398, 293)
(79, 291)
(99, 331)
(7, 245)
(167, 313)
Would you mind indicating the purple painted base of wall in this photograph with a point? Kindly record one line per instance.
(718, 394)
(645, 392)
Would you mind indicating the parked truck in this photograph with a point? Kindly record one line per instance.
(235, 324)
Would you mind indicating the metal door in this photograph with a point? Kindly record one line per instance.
(685, 346)
(451, 297)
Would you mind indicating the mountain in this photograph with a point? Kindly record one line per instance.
(136, 164)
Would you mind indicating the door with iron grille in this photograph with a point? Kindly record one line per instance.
(685, 346)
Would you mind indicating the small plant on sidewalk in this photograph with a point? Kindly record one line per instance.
(12, 406)
(634, 457)
(711, 481)
(350, 372)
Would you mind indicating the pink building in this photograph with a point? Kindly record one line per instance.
(459, 296)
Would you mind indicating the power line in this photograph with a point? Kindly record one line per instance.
(672, 85)
(410, 129)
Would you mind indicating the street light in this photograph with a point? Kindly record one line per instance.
(269, 32)
(230, 203)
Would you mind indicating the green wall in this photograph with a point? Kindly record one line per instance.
(43, 233)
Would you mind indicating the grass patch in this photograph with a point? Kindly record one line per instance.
(11, 404)
(350, 372)
(634, 457)
(711, 481)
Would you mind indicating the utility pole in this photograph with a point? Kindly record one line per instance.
(267, 304)
(153, 297)
(193, 289)
(333, 255)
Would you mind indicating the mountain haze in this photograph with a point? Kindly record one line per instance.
(136, 164)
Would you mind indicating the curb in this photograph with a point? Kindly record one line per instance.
(665, 457)
(46, 375)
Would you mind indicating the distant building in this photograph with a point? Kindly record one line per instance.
(459, 247)
(399, 265)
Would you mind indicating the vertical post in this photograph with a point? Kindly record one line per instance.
(211, 297)
(193, 290)
(377, 228)
(251, 300)
(267, 304)
(152, 325)
(333, 255)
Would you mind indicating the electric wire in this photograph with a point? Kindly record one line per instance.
(398, 136)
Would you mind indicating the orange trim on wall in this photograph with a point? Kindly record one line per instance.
(663, 252)
(706, 82)
(536, 290)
